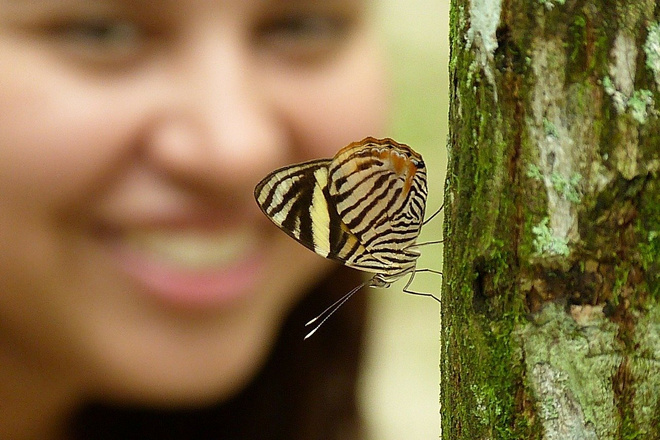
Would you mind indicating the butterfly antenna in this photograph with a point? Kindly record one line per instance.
(434, 214)
(327, 313)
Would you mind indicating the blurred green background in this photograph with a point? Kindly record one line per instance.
(400, 386)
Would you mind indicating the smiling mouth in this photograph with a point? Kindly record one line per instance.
(195, 250)
(191, 268)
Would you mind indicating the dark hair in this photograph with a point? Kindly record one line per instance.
(305, 391)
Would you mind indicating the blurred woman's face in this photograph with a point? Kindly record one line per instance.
(133, 258)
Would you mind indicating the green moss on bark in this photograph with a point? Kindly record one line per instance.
(539, 338)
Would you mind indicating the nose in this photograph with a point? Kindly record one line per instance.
(216, 125)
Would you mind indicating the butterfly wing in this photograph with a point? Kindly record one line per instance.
(379, 189)
(296, 199)
(364, 207)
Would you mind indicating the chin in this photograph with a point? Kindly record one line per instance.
(188, 375)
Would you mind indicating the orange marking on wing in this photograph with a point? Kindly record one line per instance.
(412, 170)
(403, 166)
(398, 161)
(386, 150)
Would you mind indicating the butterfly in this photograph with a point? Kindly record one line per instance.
(364, 208)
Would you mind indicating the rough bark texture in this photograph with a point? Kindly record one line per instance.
(551, 316)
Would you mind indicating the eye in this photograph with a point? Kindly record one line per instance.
(304, 36)
(101, 32)
(306, 26)
(99, 39)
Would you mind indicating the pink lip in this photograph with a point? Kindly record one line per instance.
(192, 288)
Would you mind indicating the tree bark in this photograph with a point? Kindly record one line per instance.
(550, 307)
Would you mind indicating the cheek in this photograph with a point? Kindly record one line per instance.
(294, 267)
(357, 110)
(339, 104)
(58, 140)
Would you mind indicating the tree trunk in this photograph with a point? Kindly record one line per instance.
(550, 308)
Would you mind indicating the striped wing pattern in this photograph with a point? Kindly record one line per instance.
(295, 198)
(378, 188)
(364, 207)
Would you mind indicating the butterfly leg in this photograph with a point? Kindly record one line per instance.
(434, 214)
(412, 277)
(429, 242)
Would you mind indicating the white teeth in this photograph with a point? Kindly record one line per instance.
(193, 249)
